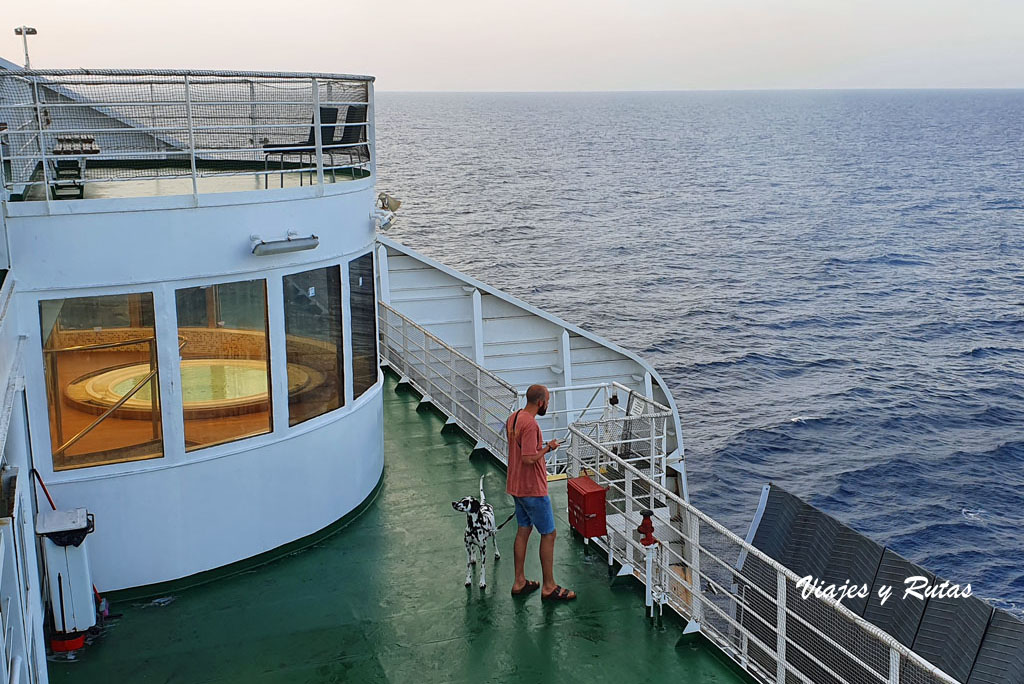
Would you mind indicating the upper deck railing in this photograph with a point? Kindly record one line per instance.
(65, 131)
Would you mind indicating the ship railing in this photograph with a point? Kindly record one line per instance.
(742, 600)
(67, 129)
(16, 619)
(479, 401)
(618, 417)
(472, 397)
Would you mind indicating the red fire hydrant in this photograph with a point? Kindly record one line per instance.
(646, 528)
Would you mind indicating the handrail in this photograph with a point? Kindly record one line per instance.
(233, 119)
(691, 517)
(434, 338)
(182, 342)
(120, 402)
(101, 345)
(473, 397)
(219, 73)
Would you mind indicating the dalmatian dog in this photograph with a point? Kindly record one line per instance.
(479, 527)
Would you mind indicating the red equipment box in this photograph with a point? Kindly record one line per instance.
(587, 507)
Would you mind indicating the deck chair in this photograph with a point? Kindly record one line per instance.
(328, 122)
(350, 136)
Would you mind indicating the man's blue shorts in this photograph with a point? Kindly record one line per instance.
(535, 511)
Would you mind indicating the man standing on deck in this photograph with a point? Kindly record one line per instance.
(528, 485)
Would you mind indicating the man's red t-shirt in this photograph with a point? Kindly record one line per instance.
(525, 479)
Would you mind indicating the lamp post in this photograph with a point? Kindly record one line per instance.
(25, 32)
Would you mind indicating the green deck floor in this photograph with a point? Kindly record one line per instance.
(383, 600)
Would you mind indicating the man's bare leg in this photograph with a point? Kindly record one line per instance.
(547, 562)
(519, 554)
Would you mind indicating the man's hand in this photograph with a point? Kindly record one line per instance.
(550, 446)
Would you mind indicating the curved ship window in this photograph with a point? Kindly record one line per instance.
(316, 357)
(225, 367)
(363, 302)
(102, 379)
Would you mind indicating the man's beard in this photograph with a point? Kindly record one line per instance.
(542, 410)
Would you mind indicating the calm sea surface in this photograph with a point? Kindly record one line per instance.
(831, 283)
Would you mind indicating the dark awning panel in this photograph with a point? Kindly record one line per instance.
(964, 637)
(1001, 656)
(897, 617)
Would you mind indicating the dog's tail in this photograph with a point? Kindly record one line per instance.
(482, 500)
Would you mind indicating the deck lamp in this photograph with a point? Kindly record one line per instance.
(383, 218)
(385, 215)
(292, 243)
(25, 32)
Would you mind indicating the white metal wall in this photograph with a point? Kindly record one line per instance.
(171, 517)
(518, 342)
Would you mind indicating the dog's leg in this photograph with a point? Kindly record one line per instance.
(469, 564)
(483, 564)
(497, 553)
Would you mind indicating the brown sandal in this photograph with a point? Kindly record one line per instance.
(559, 594)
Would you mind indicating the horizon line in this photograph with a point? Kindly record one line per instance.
(706, 90)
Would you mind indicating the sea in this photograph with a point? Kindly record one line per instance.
(830, 282)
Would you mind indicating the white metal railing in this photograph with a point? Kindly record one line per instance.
(622, 419)
(69, 128)
(744, 601)
(477, 400)
(15, 623)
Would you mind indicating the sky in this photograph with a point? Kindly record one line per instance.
(552, 45)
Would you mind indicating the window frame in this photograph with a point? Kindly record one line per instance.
(344, 370)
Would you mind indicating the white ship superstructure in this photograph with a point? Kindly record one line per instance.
(199, 350)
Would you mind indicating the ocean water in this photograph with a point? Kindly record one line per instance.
(831, 283)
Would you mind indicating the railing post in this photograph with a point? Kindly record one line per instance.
(780, 635)
(252, 116)
(154, 390)
(629, 513)
(894, 666)
(318, 137)
(152, 118)
(655, 457)
(371, 129)
(405, 348)
(3, 179)
(697, 608)
(649, 576)
(191, 139)
(42, 142)
(574, 462)
(451, 381)
(55, 381)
